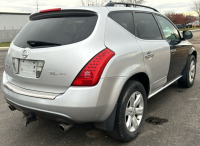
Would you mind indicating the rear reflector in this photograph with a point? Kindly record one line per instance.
(91, 73)
(50, 10)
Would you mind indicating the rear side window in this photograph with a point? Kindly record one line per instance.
(55, 31)
(125, 19)
(147, 27)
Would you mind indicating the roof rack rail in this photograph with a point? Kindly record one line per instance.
(112, 4)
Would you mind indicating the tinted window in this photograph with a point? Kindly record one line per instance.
(125, 19)
(55, 31)
(147, 27)
(168, 29)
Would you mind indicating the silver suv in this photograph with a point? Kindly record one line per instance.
(96, 64)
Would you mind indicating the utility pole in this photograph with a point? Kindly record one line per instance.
(37, 6)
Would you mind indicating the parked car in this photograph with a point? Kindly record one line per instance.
(180, 26)
(96, 64)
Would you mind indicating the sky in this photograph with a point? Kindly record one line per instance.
(29, 6)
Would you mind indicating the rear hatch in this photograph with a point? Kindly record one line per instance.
(52, 49)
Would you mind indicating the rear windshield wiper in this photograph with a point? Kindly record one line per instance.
(39, 43)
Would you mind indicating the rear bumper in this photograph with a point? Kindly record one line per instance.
(76, 105)
(42, 113)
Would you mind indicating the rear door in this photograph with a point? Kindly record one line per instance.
(179, 48)
(156, 50)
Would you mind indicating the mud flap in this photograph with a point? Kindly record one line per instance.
(108, 124)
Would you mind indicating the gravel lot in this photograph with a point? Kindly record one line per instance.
(179, 106)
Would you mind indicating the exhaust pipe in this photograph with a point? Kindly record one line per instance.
(12, 108)
(64, 127)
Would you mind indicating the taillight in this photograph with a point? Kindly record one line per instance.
(91, 73)
(50, 10)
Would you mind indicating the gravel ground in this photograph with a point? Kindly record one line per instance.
(179, 106)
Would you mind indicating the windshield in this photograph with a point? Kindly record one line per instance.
(55, 31)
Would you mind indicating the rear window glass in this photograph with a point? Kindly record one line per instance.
(125, 19)
(55, 31)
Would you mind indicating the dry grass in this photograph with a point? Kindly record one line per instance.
(4, 44)
(189, 29)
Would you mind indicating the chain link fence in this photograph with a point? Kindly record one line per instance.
(8, 35)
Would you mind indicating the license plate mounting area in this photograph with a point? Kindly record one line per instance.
(27, 68)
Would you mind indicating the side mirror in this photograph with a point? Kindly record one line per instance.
(187, 35)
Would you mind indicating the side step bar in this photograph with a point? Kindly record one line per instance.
(157, 91)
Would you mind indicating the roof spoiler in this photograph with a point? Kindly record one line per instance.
(62, 13)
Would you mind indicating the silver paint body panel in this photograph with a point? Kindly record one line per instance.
(158, 66)
(81, 104)
(89, 104)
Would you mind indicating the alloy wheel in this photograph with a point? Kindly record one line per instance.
(192, 71)
(134, 111)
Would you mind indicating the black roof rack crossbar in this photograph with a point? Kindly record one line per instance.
(112, 4)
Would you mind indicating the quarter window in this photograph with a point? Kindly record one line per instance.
(125, 19)
(147, 27)
(168, 29)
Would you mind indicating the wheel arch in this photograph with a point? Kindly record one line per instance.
(191, 52)
(108, 124)
(143, 78)
(195, 54)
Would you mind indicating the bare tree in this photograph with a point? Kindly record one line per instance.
(104, 2)
(93, 2)
(196, 7)
(138, 2)
(180, 18)
(170, 15)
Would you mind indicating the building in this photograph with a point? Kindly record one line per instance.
(11, 24)
(196, 23)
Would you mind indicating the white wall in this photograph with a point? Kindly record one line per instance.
(12, 21)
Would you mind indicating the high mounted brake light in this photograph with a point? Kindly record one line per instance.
(91, 73)
(50, 10)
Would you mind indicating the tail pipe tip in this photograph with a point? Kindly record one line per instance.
(12, 108)
(64, 127)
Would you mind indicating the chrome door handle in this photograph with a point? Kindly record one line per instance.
(173, 51)
(149, 55)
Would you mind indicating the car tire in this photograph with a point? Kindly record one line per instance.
(129, 118)
(190, 74)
